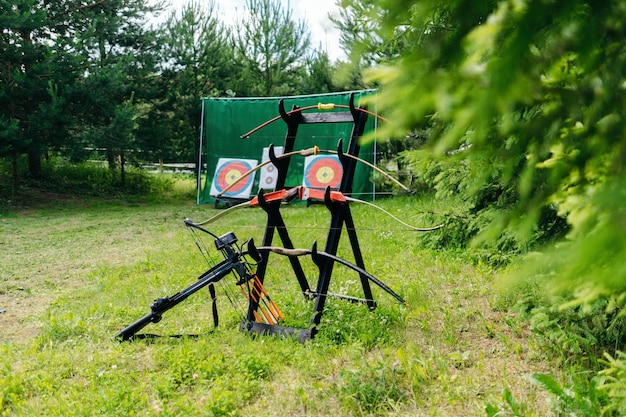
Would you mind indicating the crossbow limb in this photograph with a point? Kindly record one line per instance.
(224, 213)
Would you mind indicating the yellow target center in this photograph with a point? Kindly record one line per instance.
(325, 175)
(232, 176)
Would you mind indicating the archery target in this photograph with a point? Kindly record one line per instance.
(322, 171)
(227, 172)
(269, 173)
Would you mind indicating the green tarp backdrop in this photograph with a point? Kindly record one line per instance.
(226, 119)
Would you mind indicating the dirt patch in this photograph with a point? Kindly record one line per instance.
(18, 321)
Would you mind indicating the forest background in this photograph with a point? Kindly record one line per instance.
(515, 107)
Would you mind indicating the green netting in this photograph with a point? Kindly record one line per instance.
(226, 119)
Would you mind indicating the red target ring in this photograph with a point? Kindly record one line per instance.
(229, 173)
(322, 172)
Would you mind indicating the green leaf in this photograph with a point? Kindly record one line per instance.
(491, 410)
(508, 397)
(547, 383)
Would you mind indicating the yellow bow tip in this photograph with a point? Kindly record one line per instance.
(325, 106)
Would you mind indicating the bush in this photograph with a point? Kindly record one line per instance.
(473, 222)
(94, 179)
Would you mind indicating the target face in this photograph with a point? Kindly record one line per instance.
(322, 171)
(228, 172)
(269, 173)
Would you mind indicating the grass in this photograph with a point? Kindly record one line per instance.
(73, 276)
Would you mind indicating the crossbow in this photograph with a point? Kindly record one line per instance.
(240, 261)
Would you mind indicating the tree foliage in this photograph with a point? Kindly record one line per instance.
(361, 33)
(25, 75)
(526, 100)
(70, 70)
(86, 78)
(531, 94)
(198, 63)
(272, 47)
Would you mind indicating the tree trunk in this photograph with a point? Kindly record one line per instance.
(111, 159)
(15, 172)
(122, 168)
(198, 160)
(34, 161)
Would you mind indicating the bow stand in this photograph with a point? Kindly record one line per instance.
(340, 216)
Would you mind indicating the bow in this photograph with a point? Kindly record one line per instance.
(285, 195)
(303, 193)
(316, 255)
(256, 254)
(318, 106)
(308, 152)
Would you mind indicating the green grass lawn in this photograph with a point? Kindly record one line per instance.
(72, 276)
